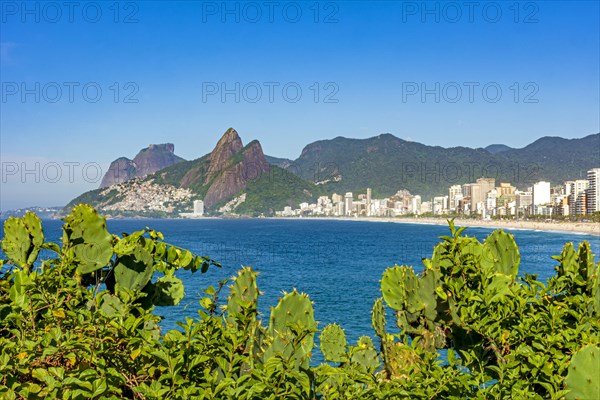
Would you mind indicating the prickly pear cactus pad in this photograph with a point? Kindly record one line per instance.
(501, 254)
(333, 343)
(364, 355)
(244, 293)
(397, 284)
(134, 271)
(583, 379)
(23, 239)
(86, 236)
(378, 318)
(292, 325)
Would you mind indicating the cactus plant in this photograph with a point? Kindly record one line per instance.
(585, 257)
(413, 297)
(34, 227)
(582, 377)
(23, 239)
(401, 359)
(86, 239)
(378, 318)
(292, 326)
(243, 295)
(333, 343)
(567, 261)
(397, 285)
(578, 265)
(364, 355)
(427, 292)
(501, 254)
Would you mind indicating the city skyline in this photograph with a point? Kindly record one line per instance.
(575, 198)
(62, 181)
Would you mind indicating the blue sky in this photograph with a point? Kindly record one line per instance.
(427, 72)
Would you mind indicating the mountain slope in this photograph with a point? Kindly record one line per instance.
(557, 159)
(230, 171)
(280, 162)
(149, 160)
(497, 148)
(240, 177)
(386, 163)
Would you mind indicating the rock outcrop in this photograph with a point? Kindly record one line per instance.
(229, 145)
(222, 178)
(120, 170)
(227, 177)
(149, 160)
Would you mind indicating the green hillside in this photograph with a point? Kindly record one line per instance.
(228, 172)
(386, 164)
(279, 188)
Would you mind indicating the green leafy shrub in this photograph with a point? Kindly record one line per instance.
(81, 325)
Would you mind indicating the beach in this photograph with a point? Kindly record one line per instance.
(588, 228)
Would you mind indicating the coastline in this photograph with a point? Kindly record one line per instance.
(587, 228)
(584, 228)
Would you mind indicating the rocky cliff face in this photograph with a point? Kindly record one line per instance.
(221, 176)
(149, 160)
(229, 144)
(120, 170)
(232, 175)
(231, 166)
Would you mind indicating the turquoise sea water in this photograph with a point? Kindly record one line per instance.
(338, 263)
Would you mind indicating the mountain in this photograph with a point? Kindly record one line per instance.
(232, 179)
(497, 148)
(280, 162)
(231, 166)
(386, 164)
(239, 179)
(149, 160)
(558, 159)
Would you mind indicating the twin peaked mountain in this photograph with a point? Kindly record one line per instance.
(232, 177)
(240, 179)
(227, 169)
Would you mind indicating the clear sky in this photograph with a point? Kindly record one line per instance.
(86, 82)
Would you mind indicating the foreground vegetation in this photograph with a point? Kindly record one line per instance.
(80, 324)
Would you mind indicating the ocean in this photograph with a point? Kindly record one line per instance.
(337, 263)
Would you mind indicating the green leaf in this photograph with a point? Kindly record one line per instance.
(135, 270)
(85, 233)
(99, 387)
(128, 244)
(168, 291)
(17, 242)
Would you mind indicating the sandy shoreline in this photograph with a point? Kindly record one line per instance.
(588, 228)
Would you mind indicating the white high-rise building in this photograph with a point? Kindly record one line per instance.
(454, 196)
(577, 196)
(198, 207)
(523, 201)
(339, 209)
(593, 191)
(541, 193)
(415, 205)
(490, 201)
(440, 205)
(348, 203)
